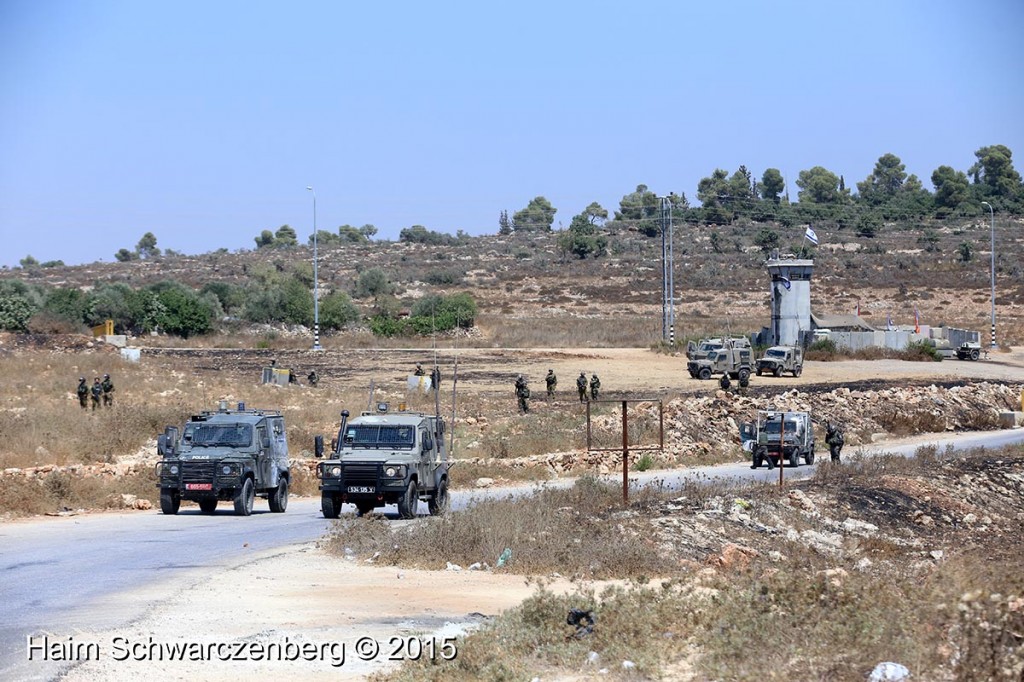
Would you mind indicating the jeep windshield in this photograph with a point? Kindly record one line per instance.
(776, 353)
(707, 347)
(380, 436)
(772, 427)
(214, 435)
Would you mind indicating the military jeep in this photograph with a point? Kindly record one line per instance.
(779, 359)
(733, 360)
(225, 456)
(778, 435)
(384, 457)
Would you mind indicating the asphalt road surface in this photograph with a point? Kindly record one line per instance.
(86, 573)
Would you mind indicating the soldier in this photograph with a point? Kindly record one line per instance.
(419, 371)
(581, 386)
(435, 378)
(523, 394)
(96, 392)
(595, 386)
(551, 381)
(83, 393)
(724, 382)
(834, 439)
(108, 391)
(313, 378)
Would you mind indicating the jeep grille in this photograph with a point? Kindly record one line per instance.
(361, 474)
(197, 472)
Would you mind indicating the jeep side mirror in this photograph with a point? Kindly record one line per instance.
(318, 446)
(161, 446)
(265, 441)
(428, 442)
(167, 442)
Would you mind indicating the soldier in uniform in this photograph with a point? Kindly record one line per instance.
(96, 392)
(724, 382)
(595, 386)
(419, 370)
(83, 393)
(435, 378)
(834, 439)
(313, 378)
(523, 394)
(108, 391)
(581, 386)
(551, 381)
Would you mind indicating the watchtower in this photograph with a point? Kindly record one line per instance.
(791, 298)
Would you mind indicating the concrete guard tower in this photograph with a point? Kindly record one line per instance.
(791, 298)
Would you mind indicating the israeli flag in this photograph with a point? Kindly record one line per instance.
(811, 235)
(784, 282)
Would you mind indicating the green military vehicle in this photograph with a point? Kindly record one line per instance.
(779, 435)
(384, 457)
(732, 357)
(225, 456)
(779, 359)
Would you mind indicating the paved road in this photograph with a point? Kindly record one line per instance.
(97, 572)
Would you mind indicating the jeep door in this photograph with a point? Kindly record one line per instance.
(424, 465)
(266, 471)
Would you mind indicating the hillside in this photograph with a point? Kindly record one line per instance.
(531, 293)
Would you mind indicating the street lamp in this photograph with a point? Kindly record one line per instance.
(316, 282)
(992, 218)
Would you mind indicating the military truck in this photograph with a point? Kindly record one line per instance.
(779, 359)
(778, 435)
(732, 358)
(225, 456)
(385, 457)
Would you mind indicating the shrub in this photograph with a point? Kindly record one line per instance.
(922, 351)
(337, 310)
(373, 282)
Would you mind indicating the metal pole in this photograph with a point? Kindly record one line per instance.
(671, 280)
(665, 276)
(992, 218)
(316, 282)
(782, 444)
(625, 455)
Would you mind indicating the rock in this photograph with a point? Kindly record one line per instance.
(834, 576)
(142, 505)
(799, 499)
(593, 657)
(476, 566)
(484, 482)
(970, 519)
(889, 672)
(734, 555)
(937, 554)
(128, 501)
(864, 564)
(628, 665)
(453, 567)
(856, 527)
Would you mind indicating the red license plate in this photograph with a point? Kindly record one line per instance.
(198, 486)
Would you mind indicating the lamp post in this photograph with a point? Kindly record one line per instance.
(316, 282)
(992, 219)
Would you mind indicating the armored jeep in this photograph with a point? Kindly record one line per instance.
(779, 359)
(733, 358)
(778, 435)
(969, 350)
(385, 457)
(227, 455)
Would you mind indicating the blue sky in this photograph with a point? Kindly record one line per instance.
(203, 122)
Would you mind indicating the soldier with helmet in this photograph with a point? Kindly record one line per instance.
(83, 393)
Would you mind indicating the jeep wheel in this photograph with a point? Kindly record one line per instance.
(777, 371)
(794, 459)
(408, 502)
(704, 373)
(278, 497)
(810, 456)
(208, 506)
(170, 502)
(798, 370)
(744, 375)
(363, 508)
(438, 503)
(330, 505)
(975, 354)
(244, 498)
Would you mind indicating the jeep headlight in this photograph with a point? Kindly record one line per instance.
(229, 470)
(394, 471)
(172, 469)
(334, 471)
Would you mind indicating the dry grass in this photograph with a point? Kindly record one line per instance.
(802, 614)
(572, 531)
